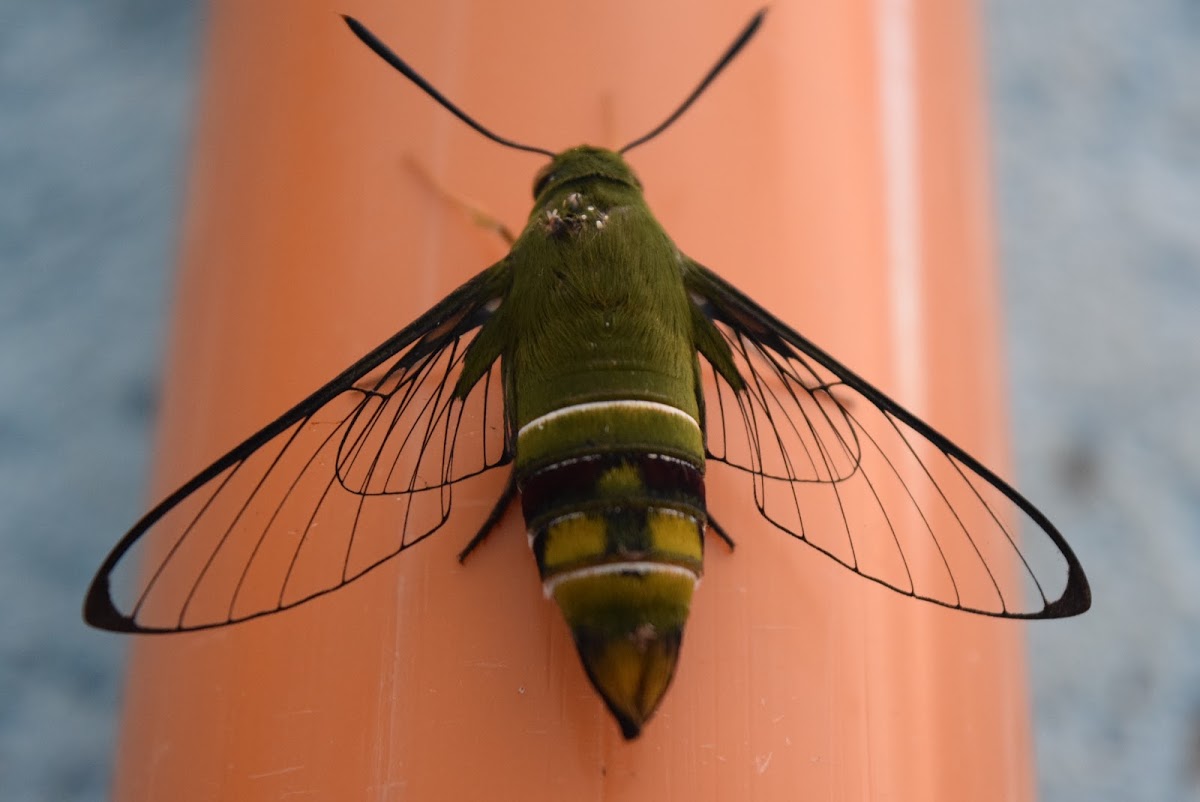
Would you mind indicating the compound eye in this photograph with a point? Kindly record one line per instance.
(544, 177)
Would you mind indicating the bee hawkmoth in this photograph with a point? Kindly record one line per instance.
(607, 372)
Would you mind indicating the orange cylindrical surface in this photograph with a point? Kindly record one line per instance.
(835, 172)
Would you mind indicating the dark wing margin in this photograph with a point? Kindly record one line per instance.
(354, 474)
(839, 465)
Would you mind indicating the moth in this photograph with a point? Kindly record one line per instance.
(607, 371)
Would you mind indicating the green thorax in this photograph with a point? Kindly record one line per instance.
(597, 309)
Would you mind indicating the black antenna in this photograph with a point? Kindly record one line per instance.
(385, 53)
(743, 38)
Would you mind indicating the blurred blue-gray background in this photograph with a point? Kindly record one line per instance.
(1095, 112)
(95, 98)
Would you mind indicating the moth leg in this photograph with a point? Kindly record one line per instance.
(502, 503)
(476, 215)
(721, 533)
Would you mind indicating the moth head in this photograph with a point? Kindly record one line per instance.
(581, 163)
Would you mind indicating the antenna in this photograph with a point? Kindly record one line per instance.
(385, 53)
(730, 53)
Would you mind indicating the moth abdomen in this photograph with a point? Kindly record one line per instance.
(623, 577)
(617, 532)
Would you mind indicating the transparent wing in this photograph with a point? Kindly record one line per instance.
(837, 464)
(358, 472)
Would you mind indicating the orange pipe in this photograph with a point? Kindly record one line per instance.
(836, 173)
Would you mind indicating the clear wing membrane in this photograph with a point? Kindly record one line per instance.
(400, 438)
(353, 475)
(835, 463)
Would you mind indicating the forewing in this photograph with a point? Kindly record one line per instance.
(353, 475)
(837, 464)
